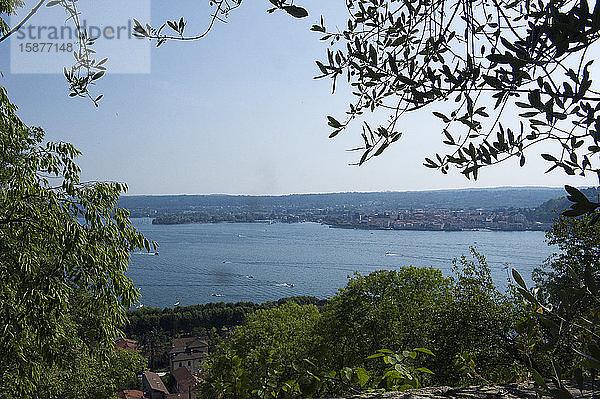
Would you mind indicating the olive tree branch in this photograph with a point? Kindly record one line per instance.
(20, 24)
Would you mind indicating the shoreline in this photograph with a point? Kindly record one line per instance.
(541, 227)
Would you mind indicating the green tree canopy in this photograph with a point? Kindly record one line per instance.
(64, 252)
(262, 353)
(386, 312)
(419, 307)
(564, 314)
(386, 309)
(565, 274)
(97, 377)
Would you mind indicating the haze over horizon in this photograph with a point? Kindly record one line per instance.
(128, 194)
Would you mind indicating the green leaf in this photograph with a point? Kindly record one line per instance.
(322, 67)
(335, 133)
(529, 114)
(575, 194)
(173, 26)
(362, 375)
(424, 370)
(441, 116)
(373, 54)
(519, 279)
(295, 11)
(492, 81)
(539, 380)
(333, 122)
(346, 374)
(424, 350)
(393, 65)
(549, 157)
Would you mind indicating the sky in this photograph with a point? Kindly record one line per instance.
(236, 112)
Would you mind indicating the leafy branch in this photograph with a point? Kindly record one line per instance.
(221, 13)
(581, 205)
(404, 56)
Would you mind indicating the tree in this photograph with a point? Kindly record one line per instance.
(295, 351)
(97, 377)
(563, 309)
(384, 310)
(579, 260)
(419, 307)
(262, 354)
(490, 58)
(64, 252)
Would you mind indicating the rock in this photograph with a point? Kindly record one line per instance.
(523, 390)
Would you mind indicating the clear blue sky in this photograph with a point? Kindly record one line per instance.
(237, 112)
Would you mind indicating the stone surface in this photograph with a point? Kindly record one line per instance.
(523, 390)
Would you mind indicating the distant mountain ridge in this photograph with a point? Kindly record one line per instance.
(474, 198)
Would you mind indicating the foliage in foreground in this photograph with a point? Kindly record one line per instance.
(64, 251)
(98, 376)
(564, 308)
(298, 350)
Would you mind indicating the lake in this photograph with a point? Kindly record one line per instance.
(200, 263)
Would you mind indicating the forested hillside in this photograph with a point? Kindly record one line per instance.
(487, 198)
(551, 209)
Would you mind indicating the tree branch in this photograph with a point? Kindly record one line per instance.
(18, 26)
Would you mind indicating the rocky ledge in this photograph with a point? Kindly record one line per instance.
(524, 390)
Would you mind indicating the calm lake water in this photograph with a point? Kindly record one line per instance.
(262, 262)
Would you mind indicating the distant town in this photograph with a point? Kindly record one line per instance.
(410, 219)
(506, 209)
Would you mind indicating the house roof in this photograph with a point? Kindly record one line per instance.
(126, 343)
(130, 394)
(180, 344)
(184, 378)
(183, 356)
(155, 382)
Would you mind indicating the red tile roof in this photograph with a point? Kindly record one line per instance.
(126, 343)
(130, 394)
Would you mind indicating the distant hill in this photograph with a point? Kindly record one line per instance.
(552, 208)
(486, 198)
